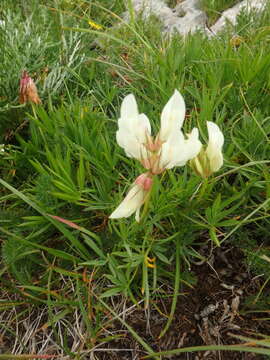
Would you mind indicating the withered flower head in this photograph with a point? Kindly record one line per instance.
(28, 90)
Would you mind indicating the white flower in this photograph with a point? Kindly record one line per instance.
(134, 198)
(214, 148)
(177, 150)
(134, 129)
(131, 203)
(169, 148)
(210, 160)
(172, 116)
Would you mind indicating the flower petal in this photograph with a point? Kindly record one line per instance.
(171, 150)
(134, 129)
(129, 107)
(214, 148)
(192, 146)
(131, 203)
(137, 214)
(129, 143)
(143, 126)
(128, 113)
(177, 151)
(215, 134)
(172, 116)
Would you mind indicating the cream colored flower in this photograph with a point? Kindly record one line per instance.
(214, 148)
(172, 116)
(133, 129)
(134, 199)
(169, 148)
(210, 160)
(178, 150)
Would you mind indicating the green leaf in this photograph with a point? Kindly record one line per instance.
(81, 173)
(64, 196)
(230, 222)
(111, 292)
(213, 236)
(163, 258)
(93, 246)
(94, 262)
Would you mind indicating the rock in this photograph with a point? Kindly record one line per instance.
(184, 18)
(187, 17)
(152, 7)
(230, 15)
(190, 17)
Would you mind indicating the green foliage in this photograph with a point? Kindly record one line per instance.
(14, 254)
(50, 58)
(63, 172)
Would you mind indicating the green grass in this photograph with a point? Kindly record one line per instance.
(214, 8)
(62, 159)
(172, 3)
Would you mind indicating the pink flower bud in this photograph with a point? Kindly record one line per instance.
(28, 90)
(144, 181)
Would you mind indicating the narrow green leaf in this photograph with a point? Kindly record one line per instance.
(239, 348)
(111, 292)
(76, 243)
(93, 246)
(213, 236)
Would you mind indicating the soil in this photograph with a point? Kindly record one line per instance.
(210, 313)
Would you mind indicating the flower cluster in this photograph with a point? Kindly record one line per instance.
(169, 148)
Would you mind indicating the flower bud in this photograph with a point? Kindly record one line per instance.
(134, 199)
(144, 181)
(210, 159)
(201, 165)
(28, 90)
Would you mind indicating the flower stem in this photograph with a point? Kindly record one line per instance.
(146, 205)
(204, 185)
(34, 110)
(176, 290)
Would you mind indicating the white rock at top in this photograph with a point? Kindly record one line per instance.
(230, 15)
(187, 16)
